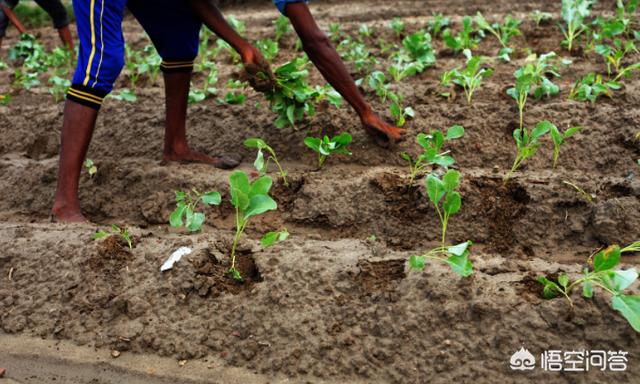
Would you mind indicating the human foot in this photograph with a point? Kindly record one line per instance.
(65, 213)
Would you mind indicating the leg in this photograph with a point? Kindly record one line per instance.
(77, 129)
(176, 147)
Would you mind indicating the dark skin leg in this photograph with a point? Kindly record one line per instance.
(322, 53)
(77, 129)
(176, 147)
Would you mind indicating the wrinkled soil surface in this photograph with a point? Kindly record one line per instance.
(330, 303)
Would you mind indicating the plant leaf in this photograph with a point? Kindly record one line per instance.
(435, 189)
(260, 204)
(452, 203)
(175, 220)
(629, 307)
(211, 198)
(455, 132)
(460, 264)
(417, 262)
(261, 186)
(606, 259)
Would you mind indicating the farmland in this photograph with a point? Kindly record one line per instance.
(541, 166)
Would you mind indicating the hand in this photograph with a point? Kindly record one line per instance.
(381, 132)
(257, 70)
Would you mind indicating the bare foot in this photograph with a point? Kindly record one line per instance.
(382, 133)
(191, 156)
(66, 214)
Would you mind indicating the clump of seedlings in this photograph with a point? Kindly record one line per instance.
(186, 213)
(602, 273)
(469, 78)
(574, 13)
(261, 164)
(503, 32)
(326, 147)
(90, 167)
(432, 154)
(466, 39)
(591, 87)
(122, 233)
(416, 54)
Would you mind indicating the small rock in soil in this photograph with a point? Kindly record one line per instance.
(115, 354)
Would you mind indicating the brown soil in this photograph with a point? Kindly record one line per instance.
(328, 304)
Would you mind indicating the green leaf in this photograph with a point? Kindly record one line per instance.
(235, 274)
(417, 262)
(211, 198)
(260, 204)
(587, 287)
(563, 279)
(259, 163)
(629, 307)
(452, 203)
(313, 143)
(274, 237)
(194, 221)
(621, 280)
(551, 289)
(255, 142)
(435, 189)
(460, 249)
(460, 264)
(261, 186)
(175, 220)
(455, 132)
(99, 235)
(606, 259)
(239, 181)
(451, 180)
(541, 129)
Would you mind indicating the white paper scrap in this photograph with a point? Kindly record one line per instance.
(174, 258)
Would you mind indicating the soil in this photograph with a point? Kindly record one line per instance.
(330, 303)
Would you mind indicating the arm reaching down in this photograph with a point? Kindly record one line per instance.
(322, 53)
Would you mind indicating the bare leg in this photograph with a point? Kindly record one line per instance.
(77, 129)
(176, 147)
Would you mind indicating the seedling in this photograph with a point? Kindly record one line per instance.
(602, 274)
(398, 26)
(273, 238)
(466, 39)
(587, 196)
(559, 138)
(503, 32)
(283, 26)
(115, 231)
(59, 87)
(469, 78)
(527, 144)
(366, 31)
(574, 13)
(126, 95)
(249, 200)
(400, 114)
(186, 208)
(540, 17)
(235, 96)
(432, 150)
(437, 24)
(326, 147)
(457, 257)
(90, 167)
(444, 197)
(591, 87)
(417, 51)
(269, 48)
(357, 53)
(262, 165)
(614, 54)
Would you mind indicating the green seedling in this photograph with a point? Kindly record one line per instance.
(574, 12)
(399, 113)
(269, 48)
(469, 78)
(186, 208)
(456, 257)
(273, 238)
(587, 196)
(466, 39)
(540, 17)
(335, 34)
(365, 31)
(613, 56)
(527, 144)
(444, 197)
(602, 274)
(559, 138)
(90, 167)
(416, 52)
(262, 165)
(326, 147)
(432, 154)
(24, 80)
(397, 26)
(59, 87)
(357, 53)
(235, 96)
(283, 27)
(503, 32)
(126, 95)
(437, 24)
(591, 87)
(250, 199)
(115, 231)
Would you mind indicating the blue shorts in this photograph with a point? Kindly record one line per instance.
(171, 24)
(281, 4)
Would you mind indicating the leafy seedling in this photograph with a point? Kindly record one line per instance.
(540, 17)
(269, 48)
(326, 147)
(416, 51)
(59, 87)
(397, 26)
(527, 144)
(273, 238)
(186, 213)
(466, 39)
(591, 87)
(456, 257)
(432, 154)
(91, 168)
(115, 231)
(283, 27)
(126, 95)
(262, 165)
(469, 78)
(574, 12)
(503, 32)
(437, 24)
(602, 274)
(613, 56)
(559, 138)
(250, 199)
(444, 197)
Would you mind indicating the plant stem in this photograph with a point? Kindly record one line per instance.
(283, 174)
(239, 230)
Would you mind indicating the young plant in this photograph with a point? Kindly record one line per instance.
(416, 51)
(540, 17)
(503, 32)
(250, 199)
(398, 26)
(432, 150)
(444, 197)
(527, 144)
(559, 138)
(457, 257)
(466, 39)
(437, 24)
(399, 113)
(187, 204)
(269, 48)
(90, 167)
(283, 26)
(273, 238)
(602, 274)
(115, 231)
(613, 56)
(586, 196)
(235, 95)
(262, 165)
(469, 78)
(126, 95)
(326, 147)
(591, 87)
(574, 13)
(59, 87)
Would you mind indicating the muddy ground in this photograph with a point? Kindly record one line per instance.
(330, 303)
